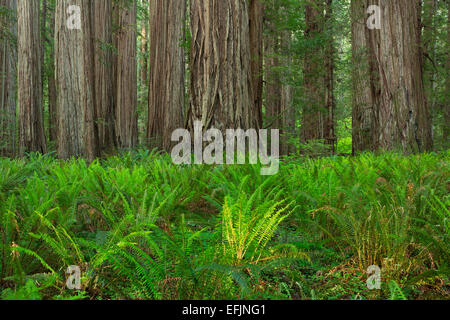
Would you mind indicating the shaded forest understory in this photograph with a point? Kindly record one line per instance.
(142, 228)
(359, 91)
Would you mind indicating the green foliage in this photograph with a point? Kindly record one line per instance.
(27, 292)
(141, 228)
(246, 229)
(396, 292)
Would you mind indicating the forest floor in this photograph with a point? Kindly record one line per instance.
(138, 227)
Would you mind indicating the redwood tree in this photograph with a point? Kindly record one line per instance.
(126, 75)
(221, 74)
(364, 91)
(103, 75)
(77, 134)
(167, 63)
(31, 126)
(8, 57)
(314, 111)
(256, 16)
(402, 118)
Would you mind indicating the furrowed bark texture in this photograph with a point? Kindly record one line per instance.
(103, 61)
(29, 66)
(126, 76)
(167, 71)
(314, 112)
(221, 83)
(364, 92)
(8, 87)
(256, 51)
(53, 121)
(402, 118)
(77, 136)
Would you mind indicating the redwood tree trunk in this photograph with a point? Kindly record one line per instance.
(221, 83)
(103, 61)
(330, 102)
(256, 51)
(126, 76)
(8, 73)
(364, 92)
(77, 136)
(167, 71)
(52, 96)
(402, 117)
(315, 111)
(31, 125)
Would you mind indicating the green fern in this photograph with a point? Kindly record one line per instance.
(396, 292)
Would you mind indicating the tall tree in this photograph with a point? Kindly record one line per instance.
(279, 108)
(31, 125)
(144, 44)
(77, 134)
(221, 75)
(364, 91)
(273, 88)
(319, 108)
(288, 114)
(390, 109)
(429, 51)
(51, 81)
(167, 68)
(314, 112)
(8, 73)
(103, 75)
(330, 102)
(126, 75)
(256, 50)
(402, 117)
(446, 129)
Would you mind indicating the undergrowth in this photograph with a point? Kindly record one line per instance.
(140, 227)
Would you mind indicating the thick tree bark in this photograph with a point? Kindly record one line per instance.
(402, 118)
(8, 77)
(364, 92)
(315, 111)
(77, 134)
(52, 95)
(103, 61)
(31, 125)
(51, 82)
(126, 76)
(256, 51)
(221, 83)
(167, 71)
